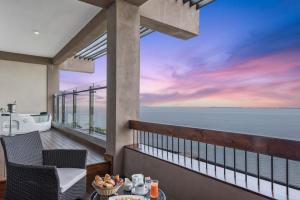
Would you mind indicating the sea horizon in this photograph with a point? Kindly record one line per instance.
(242, 107)
(270, 122)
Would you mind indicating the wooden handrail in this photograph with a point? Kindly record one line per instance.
(288, 149)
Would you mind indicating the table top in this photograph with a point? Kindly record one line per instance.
(96, 196)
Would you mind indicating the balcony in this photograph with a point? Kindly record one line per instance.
(254, 166)
(190, 163)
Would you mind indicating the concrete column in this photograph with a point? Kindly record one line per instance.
(52, 86)
(123, 77)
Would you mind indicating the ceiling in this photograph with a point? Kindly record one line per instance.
(56, 20)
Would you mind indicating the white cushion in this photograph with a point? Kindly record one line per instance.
(69, 176)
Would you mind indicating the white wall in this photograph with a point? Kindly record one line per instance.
(26, 83)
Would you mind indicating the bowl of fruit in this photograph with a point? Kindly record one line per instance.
(107, 185)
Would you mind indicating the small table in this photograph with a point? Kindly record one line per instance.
(96, 196)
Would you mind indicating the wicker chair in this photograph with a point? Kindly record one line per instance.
(37, 174)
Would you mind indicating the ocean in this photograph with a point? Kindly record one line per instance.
(271, 122)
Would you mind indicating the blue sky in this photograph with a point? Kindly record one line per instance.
(247, 54)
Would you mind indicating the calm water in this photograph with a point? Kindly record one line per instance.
(282, 123)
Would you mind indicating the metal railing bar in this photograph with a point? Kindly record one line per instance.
(133, 134)
(199, 157)
(147, 139)
(167, 147)
(287, 178)
(144, 142)
(80, 91)
(206, 161)
(272, 176)
(140, 138)
(172, 149)
(215, 159)
(184, 153)
(74, 109)
(224, 164)
(234, 165)
(137, 138)
(157, 144)
(191, 154)
(152, 134)
(283, 148)
(246, 169)
(258, 172)
(162, 146)
(91, 109)
(57, 109)
(63, 109)
(258, 175)
(178, 150)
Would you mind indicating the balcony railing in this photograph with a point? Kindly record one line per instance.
(263, 165)
(78, 109)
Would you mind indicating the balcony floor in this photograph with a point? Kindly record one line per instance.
(54, 139)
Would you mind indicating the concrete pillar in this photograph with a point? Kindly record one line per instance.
(52, 86)
(123, 77)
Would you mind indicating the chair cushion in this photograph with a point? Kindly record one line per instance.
(69, 176)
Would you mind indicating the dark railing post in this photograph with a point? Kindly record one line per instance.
(199, 157)
(246, 169)
(287, 177)
(63, 109)
(215, 159)
(224, 164)
(258, 171)
(91, 109)
(272, 175)
(57, 109)
(54, 108)
(234, 164)
(74, 113)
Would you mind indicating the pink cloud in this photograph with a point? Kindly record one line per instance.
(270, 81)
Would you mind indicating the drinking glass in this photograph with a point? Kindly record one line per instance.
(154, 189)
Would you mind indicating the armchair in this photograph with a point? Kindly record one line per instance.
(37, 174)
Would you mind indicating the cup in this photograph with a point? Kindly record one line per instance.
(140, 189)
(154, 189)
(137, 179)
(127, 185)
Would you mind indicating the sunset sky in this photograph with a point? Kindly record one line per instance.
(247, 55)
